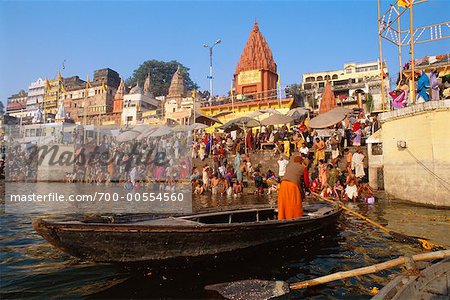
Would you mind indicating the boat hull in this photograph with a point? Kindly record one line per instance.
(127, 243)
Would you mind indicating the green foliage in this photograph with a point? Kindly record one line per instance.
(369, 102)
(161, 73)
(2, 108)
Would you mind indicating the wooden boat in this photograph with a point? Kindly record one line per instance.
(130, 239)
(433, 282)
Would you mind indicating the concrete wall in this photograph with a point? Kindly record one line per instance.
(426, 130)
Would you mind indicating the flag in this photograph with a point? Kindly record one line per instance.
(279, 81)
(63, 89)
(404, 3)
(60, 79)
(47, 84)
(88, 83)
(104, 86)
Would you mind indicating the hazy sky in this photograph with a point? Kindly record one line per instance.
(305, 36)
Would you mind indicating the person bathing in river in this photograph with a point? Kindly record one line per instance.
(351, 191)
(289, 196)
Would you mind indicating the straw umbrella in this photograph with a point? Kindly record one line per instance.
(242, 122)
(328, 101)
(277, 120)
(160, 131)
(128, 136)
(327, 119)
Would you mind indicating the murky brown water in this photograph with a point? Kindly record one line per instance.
(32, 268)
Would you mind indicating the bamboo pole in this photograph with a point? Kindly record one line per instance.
(371, 269)
(411, 35)
(400, 62)
(380, 53)
(352, 212)
(425, 244)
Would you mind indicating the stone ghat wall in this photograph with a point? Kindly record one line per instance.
(416, 153)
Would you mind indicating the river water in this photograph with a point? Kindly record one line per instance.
(32, 268)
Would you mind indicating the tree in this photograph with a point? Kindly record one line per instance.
(161, 73)
(2, 108)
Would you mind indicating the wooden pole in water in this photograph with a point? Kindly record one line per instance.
(371, 269)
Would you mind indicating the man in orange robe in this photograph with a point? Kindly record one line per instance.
(289, 196)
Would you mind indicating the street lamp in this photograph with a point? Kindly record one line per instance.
(210, 77)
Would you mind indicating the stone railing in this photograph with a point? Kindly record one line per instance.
(415, 109)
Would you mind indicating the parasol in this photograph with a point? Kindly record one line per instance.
(127, 136)
(277, 119)
(326, 119)
(160, 131)
(242, 122)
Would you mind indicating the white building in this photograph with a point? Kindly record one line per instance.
(35, 99)
(354, 80)
(135, 103)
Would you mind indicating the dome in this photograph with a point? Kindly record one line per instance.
(137, 89)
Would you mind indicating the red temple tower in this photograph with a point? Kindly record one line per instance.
(256, 72)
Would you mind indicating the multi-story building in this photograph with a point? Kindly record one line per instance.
(355, 81)
(137, 102)
(51, 96)
(17, 105)
(36, 91)
(90, 102)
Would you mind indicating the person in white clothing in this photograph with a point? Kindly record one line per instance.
(304, 150)
(358, 163)
(282, 164)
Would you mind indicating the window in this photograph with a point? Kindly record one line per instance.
(335, 76)
(319, 78)
(327, 77)
(377, 149)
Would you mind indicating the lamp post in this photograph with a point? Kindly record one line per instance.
(210, 77)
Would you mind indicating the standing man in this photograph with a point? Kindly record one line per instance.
(334, 142)
(282, 164)
(319, 150)
(358, 163)
(289, 196)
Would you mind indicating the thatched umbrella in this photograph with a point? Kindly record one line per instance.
(204, 119)
(277, 120)
(298, 113)
(128, 135)
(160, 131)
(242, 122)
(328, 101)
(327, 119)
(197, 126)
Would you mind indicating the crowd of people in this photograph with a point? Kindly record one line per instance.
(332, 161)
(131, 163)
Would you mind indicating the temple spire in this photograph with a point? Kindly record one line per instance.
(256, 54)
(148, 86)
(120, 90)
(177, 89)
